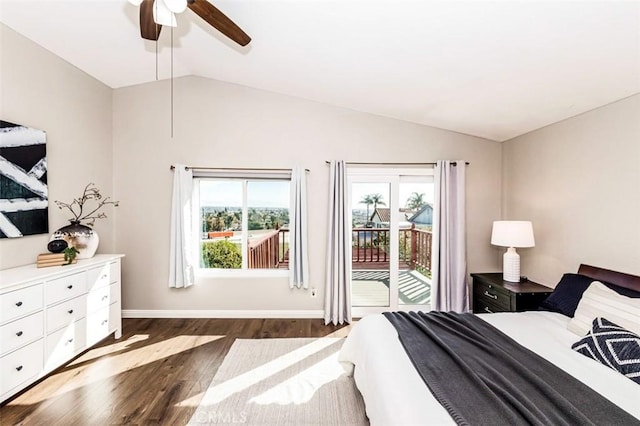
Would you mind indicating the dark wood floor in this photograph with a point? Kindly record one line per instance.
(155, 374)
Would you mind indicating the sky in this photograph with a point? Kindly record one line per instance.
(259, 193)
(360, 190)
(276, 194)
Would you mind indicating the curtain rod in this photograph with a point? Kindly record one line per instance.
(392, 164)
(172, 167)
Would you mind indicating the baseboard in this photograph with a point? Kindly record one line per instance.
(161, 313)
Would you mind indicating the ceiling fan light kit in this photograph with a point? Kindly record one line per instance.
(156, 13)
(162, 15)
(176, 6)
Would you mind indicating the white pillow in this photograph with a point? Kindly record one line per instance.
(600, 301)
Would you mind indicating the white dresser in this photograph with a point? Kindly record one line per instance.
(50, 315)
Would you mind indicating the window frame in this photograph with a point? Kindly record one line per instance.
(246, 176)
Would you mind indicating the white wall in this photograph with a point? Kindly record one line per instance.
(579, 182)
(225, 125)
(40, 90)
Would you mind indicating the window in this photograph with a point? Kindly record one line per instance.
(243, 220)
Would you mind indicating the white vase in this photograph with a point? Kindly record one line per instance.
(82, 237)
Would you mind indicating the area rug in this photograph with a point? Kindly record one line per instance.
(282, 382)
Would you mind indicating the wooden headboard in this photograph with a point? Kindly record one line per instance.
(618, 278)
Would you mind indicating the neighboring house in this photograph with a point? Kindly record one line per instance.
(424, 216)
(381, 217)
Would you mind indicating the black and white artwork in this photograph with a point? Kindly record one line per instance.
(24, 201)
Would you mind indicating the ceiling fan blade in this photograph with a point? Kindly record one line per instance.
(219, 21)
(148, 28)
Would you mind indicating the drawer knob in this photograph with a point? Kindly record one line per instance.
(486, 309)
(105, 297)
(19, 333)
(104, 322)
(18, 368)
(70, 286)
(69, 341)
(103, 277)
(18, 304)
(70, 311)
(493, 296)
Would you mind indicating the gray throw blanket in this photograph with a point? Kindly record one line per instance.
(483, 377)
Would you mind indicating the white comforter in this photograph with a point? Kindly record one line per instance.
(395, 394)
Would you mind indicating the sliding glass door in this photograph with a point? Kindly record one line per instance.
(414, 238)
(391, 213)
(371, 248)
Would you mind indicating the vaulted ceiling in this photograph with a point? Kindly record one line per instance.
(494, 69)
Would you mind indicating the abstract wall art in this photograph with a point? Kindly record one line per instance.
(24, 200)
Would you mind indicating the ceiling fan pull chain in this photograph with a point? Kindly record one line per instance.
(171, 82)
(157, 37)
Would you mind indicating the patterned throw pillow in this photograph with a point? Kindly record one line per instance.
(612, 346)
(601, 301)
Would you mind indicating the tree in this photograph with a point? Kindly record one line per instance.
(368, 201)
(228, 221)
(221, 254)
(377, 199)
(416, 201)
(374, 199)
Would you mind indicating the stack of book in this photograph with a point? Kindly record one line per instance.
(52, 259)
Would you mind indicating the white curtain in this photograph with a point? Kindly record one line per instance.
(449, 259)
(298, 254)
(181, 259)
(337, 303)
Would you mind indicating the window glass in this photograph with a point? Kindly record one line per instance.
(244, 223)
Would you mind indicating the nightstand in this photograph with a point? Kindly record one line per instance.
(492, 294)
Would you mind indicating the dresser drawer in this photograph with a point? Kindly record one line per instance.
(98, 299)
(21, 366)
(66, 313)
(98, 277)
(63, 344)
(18, 303)
(65, 288)
(490, 294)
(98, 325)
(20, 332)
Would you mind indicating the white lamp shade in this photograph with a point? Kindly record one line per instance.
(512, 233)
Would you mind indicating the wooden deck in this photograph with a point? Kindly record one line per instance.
(371, 288)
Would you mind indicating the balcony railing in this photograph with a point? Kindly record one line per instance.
(370, 248)
(270, 251)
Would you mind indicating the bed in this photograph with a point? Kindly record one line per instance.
(395, 394)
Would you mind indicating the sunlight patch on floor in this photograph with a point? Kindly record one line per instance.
(108, 349)
(300, 388)
(90, 369)
(241, 382)
(192, 401)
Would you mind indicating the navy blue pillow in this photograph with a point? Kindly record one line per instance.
(613, 346)
(568, 292)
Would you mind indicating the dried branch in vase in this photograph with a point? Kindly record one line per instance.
(82, 209)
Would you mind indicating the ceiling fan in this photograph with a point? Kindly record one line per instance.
(156, 13)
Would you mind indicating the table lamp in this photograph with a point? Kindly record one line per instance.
(512, 234)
